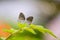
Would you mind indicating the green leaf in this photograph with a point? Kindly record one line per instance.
(30, 30)
(22, 25)
(51, 33)
(39, 28)
(43, 30)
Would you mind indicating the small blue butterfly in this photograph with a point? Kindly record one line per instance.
(21, 18)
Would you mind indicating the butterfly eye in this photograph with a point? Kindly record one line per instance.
(30, 19)
(21, 16)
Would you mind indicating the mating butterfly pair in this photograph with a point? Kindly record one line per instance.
(22, 18)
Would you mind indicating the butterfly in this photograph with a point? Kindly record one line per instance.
(22, 18)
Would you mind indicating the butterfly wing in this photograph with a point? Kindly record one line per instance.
(21, 17)
(29, 20)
